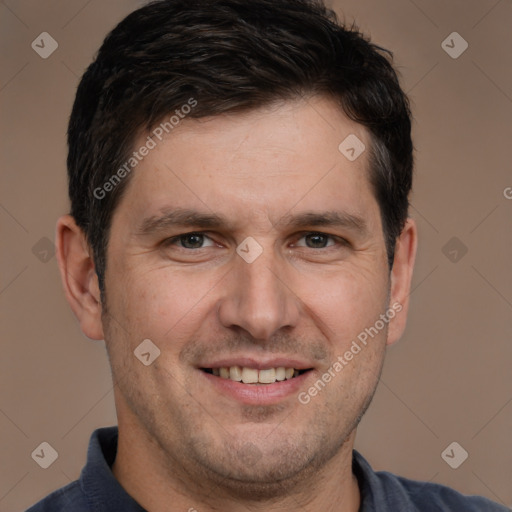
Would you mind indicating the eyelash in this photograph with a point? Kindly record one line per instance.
(176, 239)
(337, 240)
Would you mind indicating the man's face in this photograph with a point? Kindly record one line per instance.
(174, 276)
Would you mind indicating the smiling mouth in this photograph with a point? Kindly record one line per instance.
(254, 376)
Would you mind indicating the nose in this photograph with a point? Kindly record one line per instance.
(258, 299)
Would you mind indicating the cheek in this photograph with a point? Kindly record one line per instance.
(346, 303)
(164, 303)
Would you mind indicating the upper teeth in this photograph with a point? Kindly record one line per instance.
(254, 376)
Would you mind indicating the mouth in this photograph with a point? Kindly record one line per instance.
(254, 376)
(257, 381)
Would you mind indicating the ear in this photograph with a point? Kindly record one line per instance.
(401, 277)
(79, 276)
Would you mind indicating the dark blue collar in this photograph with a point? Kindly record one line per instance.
(98, 490)
(104, 493)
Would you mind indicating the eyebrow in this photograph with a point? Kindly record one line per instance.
(193, 218)
(181, 217)
(337, 219)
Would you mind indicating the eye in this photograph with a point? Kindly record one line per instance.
(191, 241)
(316, 241)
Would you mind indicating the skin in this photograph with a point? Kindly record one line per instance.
(181, 440)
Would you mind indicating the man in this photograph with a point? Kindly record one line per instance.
(239, 176)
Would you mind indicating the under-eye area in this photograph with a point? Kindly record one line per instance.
(248, 375)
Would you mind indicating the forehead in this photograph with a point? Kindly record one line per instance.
(265, 163)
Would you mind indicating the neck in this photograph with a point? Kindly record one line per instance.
(154, 480)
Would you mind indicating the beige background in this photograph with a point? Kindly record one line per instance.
(448, 379)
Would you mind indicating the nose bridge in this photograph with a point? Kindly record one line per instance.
(257, 299)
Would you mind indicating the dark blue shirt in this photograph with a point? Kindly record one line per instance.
(97, 490)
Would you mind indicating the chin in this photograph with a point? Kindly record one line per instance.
(252, 472)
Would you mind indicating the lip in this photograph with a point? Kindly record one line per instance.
(257, 394)
(260, 364)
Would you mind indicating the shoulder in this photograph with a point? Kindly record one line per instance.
(385, 491)
(68, 498)
(432, 497)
